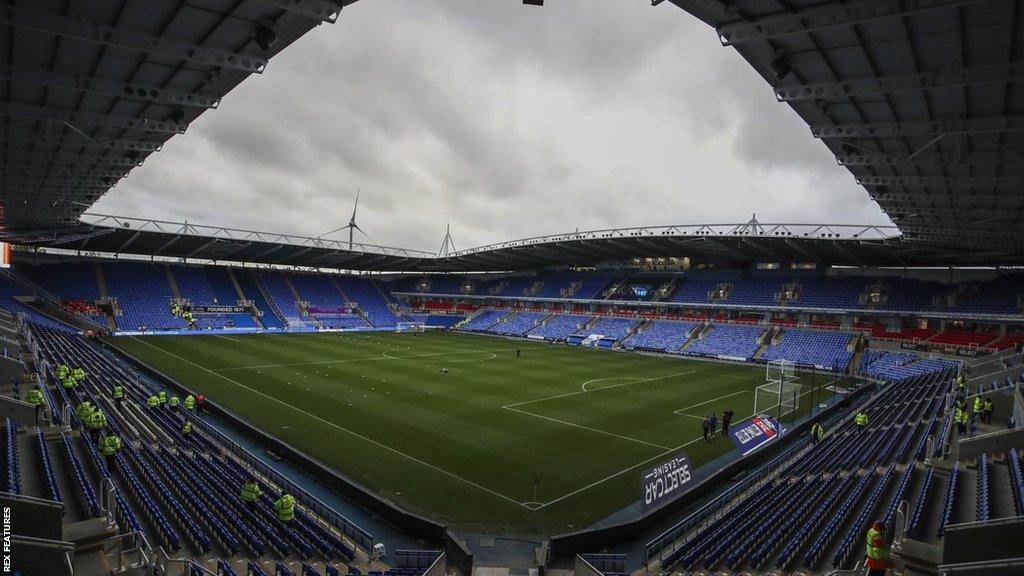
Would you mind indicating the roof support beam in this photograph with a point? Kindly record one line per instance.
(91, 119)
(762, 249)
(21, 170)
(322, 10)
(926, 80)
(990, 124)
(799, 247)
(107, 87)
(978, 159)
(267, 252)
(839, 246)
(12, 182)
(28, 157)
(166, 245)
(44, 21)
(896, 196)
(201, 247)
(824, 17)
(946, 181)
(129, 241)
(20, 138)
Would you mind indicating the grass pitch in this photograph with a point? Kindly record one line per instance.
(465, 447)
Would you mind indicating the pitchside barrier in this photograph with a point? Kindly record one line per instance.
(433, 532)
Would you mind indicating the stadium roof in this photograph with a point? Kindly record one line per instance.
(920, 99)
(91, 89)
(722, 244)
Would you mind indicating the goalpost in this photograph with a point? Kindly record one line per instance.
(780, 395)
(410, 327)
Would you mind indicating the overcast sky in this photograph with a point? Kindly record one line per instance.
(506, 120)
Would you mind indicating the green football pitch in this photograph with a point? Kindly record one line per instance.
(546, 442)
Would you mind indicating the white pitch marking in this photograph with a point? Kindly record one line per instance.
(228, 338)
(574, 425)
(342, 428)
(584, 385)
(346, 360)
(491, 356)
(651, 459)
(681, 410)
(567, 394)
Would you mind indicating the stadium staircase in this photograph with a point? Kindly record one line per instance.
(173, 282)
(291, 287)
(258, 283)
(772, 336)
(101, 281)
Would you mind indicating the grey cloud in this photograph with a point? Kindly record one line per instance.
(507, 121)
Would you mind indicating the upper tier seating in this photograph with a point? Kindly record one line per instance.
(591, 287)
(755, 292)
(694, 290)
(910, 294)
(554, 286)
(831, 293)
(821, 349)
(994, 297)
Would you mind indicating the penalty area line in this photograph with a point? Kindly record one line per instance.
(653, 458)
(343, 429)
(582, 427)
(723, 397)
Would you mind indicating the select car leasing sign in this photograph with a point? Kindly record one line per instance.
(665, 482)
(752, 435)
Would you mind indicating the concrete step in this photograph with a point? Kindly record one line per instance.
(88, 535)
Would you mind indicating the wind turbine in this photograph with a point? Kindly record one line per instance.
(351, 226)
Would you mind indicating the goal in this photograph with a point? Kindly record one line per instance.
(410, 327)
(780, 395)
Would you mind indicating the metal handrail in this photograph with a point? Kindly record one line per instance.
(163, 561)
(982, 565)
(108, 503)
(144, 549)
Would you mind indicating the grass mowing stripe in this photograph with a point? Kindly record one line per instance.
(455, 421)
(332, 424)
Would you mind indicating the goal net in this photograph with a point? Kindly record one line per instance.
(780, 394)
(410, 327)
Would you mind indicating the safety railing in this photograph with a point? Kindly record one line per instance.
(139, 546)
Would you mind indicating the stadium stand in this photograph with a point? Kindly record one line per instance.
(823, 350)
(180, 490)
(727, 341)
(559, 327)
(661, 336)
